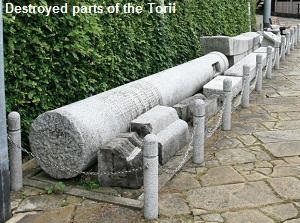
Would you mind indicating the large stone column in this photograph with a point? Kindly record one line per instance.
(66, 140)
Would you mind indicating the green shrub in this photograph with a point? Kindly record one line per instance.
(52, 61)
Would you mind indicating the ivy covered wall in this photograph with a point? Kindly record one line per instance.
(53, 61)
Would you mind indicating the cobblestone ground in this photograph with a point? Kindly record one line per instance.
(251, 175)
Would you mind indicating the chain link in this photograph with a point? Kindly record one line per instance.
(210, 131)
(74, 171)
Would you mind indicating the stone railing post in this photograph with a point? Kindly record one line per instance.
(283, 46)
(288, 42)
(296, 36)
(292, 38)
(298, 26)
(259, 68)
(246, 85)
(269, 62)
(199, 131)
(150, 166)
(15, 153)
(227, 90)
(277, 55)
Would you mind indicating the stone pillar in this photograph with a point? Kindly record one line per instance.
(269, 62)
(295, 36)
(283, 46)
(15, 153)
(298, 26)
(292, 39)
(227, 89)
(150, 164)
(246, 85)
(259, 68)
(87, 125)
(277, 55)
(288, 42)
(199, 131)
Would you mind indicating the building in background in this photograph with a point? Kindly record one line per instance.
(289, 8)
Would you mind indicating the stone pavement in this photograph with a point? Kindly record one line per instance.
(251, 174)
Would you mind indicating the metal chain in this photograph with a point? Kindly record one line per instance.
(210, 131)
(74, 171)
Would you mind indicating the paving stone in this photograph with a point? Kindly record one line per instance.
(221, 175)
(254, 176)
(292, 160)
(43, 202)
(286, 187)
(197, 212)
(293, 221)
(241, 155)
(263, 164)
(212, 218)
(278, 162)
(286, 170)
(228, 197)
(247, 216)
(227, 142)
(201, 170)
(283, 149)
(18, 218)
(61, 215)
(281, 211)
(247, 140)
(172, 205)
(183, 181)
(278, 136)
(106, 213)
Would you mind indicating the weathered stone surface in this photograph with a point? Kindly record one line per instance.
(293, 221)
(212, 218)
(171, 139)
(106, 213)
(248, 140)
(237, 69)
(215, 86)
(292, 160)
(287, 187)
(154, 120)
(60, 215)
(247, 216)
(228, 197)
(133, 137)
(120, 155)
(183, 181)
(286, 170)
(278, 136)
(40, 203)
(241, 155)
(197, 212)
(172, 205)
(227, 143)
(184, 108)
(281, 211)
(284, 149)
(220, 176)
(70, 136)
(270, 39)
(230, 45)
